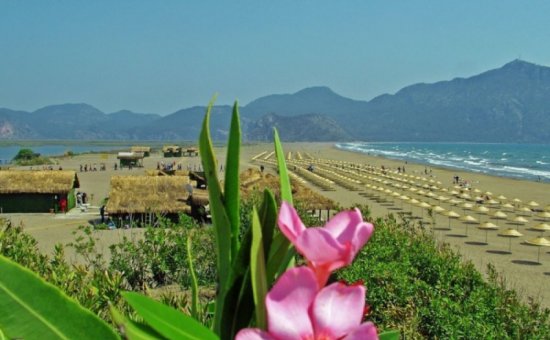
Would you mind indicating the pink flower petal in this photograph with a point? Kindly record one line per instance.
(338, 309)
(320, 247)
(348, 226)
(339, 225)
(288, 304)
(253, 334)
(366, 331)
(289, 222)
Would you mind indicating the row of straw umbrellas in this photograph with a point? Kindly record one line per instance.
(429, 194)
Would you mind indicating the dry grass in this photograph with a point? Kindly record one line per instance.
(40, 181)
(148, 194)
(253, 180)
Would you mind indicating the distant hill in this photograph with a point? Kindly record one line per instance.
(508, 104)
(309, 127)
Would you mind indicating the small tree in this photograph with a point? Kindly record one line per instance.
(25, 154)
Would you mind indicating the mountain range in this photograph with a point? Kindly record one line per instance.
(507, 104)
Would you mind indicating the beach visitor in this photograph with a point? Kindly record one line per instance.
(102, 213)
(63, 205)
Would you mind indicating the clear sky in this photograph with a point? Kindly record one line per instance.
(160, 56)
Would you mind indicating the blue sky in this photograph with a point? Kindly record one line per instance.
(161, 56)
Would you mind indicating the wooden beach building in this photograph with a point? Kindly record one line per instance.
(145, 150)
(23, 191)
(191, 152)
(130, 159)
(172, 151)
(140, 200)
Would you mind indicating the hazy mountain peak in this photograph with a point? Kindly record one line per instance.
(69, 107)
(518, 63)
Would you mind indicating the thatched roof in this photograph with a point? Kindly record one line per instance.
(140, 149)
(171, 148)
(37, 182)
(253, 180)
(130, 155)
(144, 194)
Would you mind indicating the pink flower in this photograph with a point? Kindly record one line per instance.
(329, 248)
(297, 309)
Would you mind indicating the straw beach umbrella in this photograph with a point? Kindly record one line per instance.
(508, 206)
(437, 210)
(467, 221)
(539, 242)
(519, 220)
(533, 204)
(481, 210)
(466, 206)
(499, 215)
(544, 215)
(487, 226)
(542, 227)
(510, 233)
(423, 205)
(451, 214)
(524, 211)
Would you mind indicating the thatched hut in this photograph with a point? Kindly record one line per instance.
(130, 159)
(37, 191)
(172, 151)
(191, 151)
(145, 150)
(141, 199)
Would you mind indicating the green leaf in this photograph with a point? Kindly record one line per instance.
(268, 219)
(134, 330)
(194, 284)
(283, 251)
(220, 219)
(257, 271)
(286, 190)
(31, 308)
(231, 191)
(390, 335)
(169, 322)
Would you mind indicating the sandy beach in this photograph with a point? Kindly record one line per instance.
(520, 268)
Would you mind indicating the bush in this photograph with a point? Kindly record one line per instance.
(426, 291)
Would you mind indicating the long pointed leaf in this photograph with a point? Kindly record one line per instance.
(257, 271)
(219, 216)
(268, 219)
(286, 190)
(167, 321)
(238, 309)
(194, 284)
(284, 251)
(231, 192)
(31, 308)
(133, 330)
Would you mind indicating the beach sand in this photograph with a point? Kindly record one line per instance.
(519, 269)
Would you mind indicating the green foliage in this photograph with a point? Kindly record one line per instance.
(25, 154)
(426, 290)
(160, 258)
(29, 157)
(257, 268)
(32, 309)
(167, 321)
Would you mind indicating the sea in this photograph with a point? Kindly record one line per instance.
(523, 161)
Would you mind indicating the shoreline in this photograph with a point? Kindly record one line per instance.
(527, 172)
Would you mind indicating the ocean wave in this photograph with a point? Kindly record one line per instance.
(489, 159)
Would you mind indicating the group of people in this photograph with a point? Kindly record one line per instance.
(90, 167)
